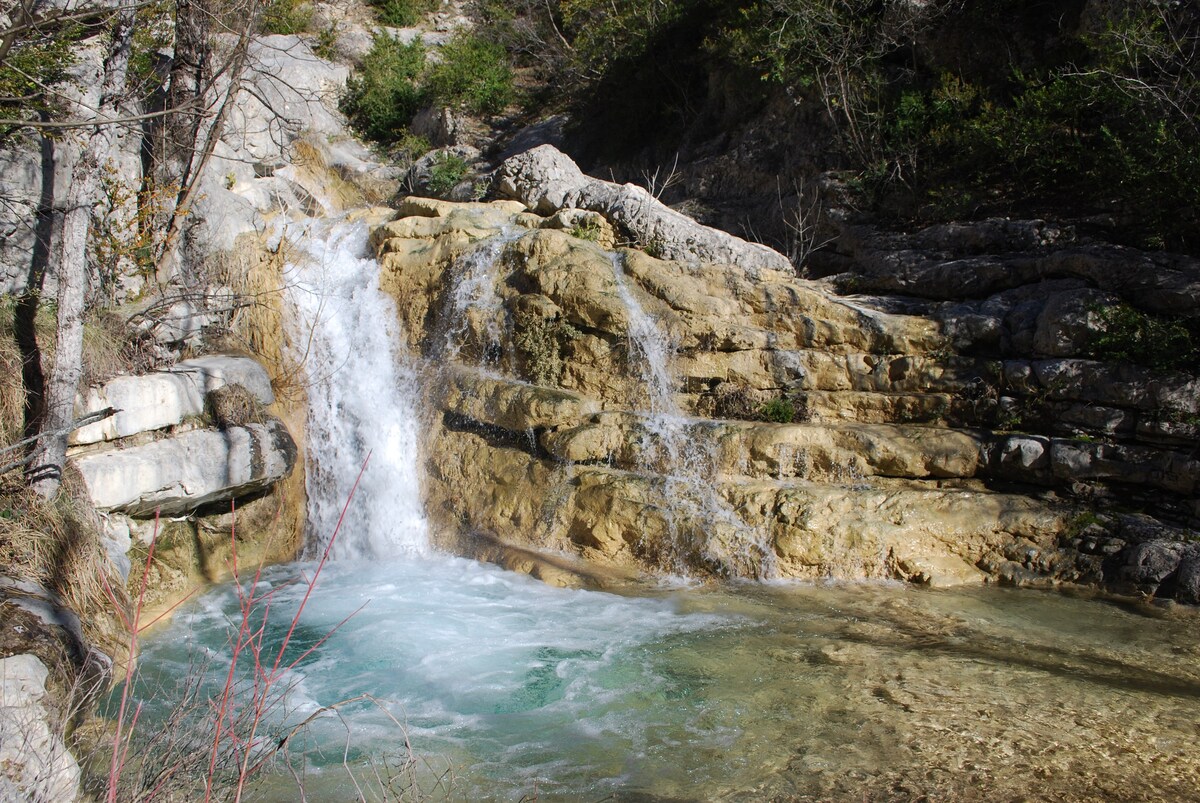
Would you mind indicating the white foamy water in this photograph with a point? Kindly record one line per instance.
(362, 396)
(506, 688)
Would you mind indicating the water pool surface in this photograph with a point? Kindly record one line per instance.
(507, 688)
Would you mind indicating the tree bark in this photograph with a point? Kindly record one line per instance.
(45, 472)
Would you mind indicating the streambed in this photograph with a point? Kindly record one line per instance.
(505, 687)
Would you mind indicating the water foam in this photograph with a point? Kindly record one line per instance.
(362, 396)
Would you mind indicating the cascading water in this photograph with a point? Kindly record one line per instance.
(473, 298)
(510, 689)
(689, 472)
(362, 396)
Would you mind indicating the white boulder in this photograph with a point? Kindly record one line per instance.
(181, 473)
(546, 180)
(34, 762)
(165, 398)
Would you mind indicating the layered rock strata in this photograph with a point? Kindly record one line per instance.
(559, 429)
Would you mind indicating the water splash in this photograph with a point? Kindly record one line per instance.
(362, 395)
(673, 447)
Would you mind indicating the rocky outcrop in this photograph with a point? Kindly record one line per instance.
(166, 398)
(707, 417)
(179, 474)
(547, 180)
(34, 762)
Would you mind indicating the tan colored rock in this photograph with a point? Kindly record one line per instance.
(511, 405)
(549, 453)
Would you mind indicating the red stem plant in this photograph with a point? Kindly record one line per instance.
(237, 712)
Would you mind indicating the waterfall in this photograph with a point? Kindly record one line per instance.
(362, 395)
(689, 471)
(473, 295)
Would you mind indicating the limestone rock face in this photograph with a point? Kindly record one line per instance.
(34, 762)
(714, 415)
(547, 180)
(183, 472)
(165, 398)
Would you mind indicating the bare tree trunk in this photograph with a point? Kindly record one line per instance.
(201, 138)
(45, 472)
(187, 85)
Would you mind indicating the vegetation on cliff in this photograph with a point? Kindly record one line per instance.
(939, 110)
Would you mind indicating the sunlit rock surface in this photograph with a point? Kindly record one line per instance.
(707, 417)
(181, 473)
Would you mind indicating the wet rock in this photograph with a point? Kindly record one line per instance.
(867, 480)
(514, 406)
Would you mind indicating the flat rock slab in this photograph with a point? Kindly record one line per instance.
(165, 398)
(181, 473)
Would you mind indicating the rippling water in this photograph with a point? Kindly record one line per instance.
(505, 688)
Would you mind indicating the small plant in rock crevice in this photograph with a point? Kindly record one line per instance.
(587, 229)
(540, 342)
(446, 172)
(779, 410)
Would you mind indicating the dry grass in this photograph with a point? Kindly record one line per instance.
(12, 392)
(56, 544)
(233, 406)
(255, 277)
(110, 347)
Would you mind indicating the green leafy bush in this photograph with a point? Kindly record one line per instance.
(472, 71)
(34, 63)
(445, 174)
(383, 95)
(287, 17)
(779, 411)
(1159, 343)
(402, 13)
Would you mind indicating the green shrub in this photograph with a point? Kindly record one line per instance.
(447, 171)
(779, 410)
(287, 17)
(325, 42)
(33, 64)
(402, 13)
(472, 71)
(383, 95)
(1159, 343)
